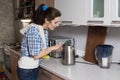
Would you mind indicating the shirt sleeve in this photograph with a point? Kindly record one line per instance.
(34, 41)
(47, 40)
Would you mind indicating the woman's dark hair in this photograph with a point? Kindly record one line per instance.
(40, 14)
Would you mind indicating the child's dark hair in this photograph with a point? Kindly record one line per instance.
(40, 14)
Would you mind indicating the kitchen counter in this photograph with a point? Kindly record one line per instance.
(81, 71)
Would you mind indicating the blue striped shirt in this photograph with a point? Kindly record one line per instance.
(32, 42)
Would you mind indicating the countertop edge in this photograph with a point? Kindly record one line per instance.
(54, 72)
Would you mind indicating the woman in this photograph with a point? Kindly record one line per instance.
(35, 41)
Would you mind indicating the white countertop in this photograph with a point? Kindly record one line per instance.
(81, 71)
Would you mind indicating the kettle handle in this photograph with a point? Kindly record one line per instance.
(96, 54)
(73, 42)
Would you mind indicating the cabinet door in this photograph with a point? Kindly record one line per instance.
(44, 75)
(24, 8)
(54, 77)
(47, 2)
(14, 63)
(7, 63)
(115, 12)
(73, 11)
(98, 12)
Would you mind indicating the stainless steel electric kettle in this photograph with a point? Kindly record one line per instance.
(68, 55)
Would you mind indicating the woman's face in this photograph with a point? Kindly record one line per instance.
(54, 23)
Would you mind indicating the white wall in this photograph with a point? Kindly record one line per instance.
(7, 33)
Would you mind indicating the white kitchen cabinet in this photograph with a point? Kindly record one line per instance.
(47, 75)
(103, 12)
(11, 57)
(98, 12)
(73, 11)
(115, 13)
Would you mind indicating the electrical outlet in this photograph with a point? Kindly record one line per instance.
(80, 53)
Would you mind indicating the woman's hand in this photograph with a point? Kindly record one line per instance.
(57, 47)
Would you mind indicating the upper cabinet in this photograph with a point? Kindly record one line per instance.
(47, 2)
(115, 12)
(103, 12)
(73, 11)
(98, 12)
(24, 8)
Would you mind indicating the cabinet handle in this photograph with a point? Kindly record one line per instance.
(95, 22)
(115, 22)
(66, 22)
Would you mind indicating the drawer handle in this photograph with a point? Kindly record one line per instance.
(96, 22)
(115, 22)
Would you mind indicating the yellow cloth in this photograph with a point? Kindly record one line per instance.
(46, 56)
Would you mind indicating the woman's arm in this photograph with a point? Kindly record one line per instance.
(47, 51)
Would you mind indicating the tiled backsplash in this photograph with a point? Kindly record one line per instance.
(78, 33)
(113, 38)
(80, 36)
